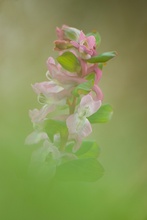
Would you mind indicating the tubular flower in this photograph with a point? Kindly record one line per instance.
(85, 45)
(78, 123)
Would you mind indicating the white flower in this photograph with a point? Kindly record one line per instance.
(77, 123)
(44, 161)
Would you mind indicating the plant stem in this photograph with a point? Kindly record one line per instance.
(72, 106)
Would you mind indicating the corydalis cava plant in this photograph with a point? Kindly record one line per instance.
(71, 102)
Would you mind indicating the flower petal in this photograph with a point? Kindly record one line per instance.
(71, 123)
(78, 126)
(38, 116)
(91, 42)
(35, 137)
(88, 105)
(46, 88)
(86, 129)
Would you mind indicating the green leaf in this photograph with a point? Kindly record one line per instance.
(53, 127)
(69, 147)
(100, 65)
(97, 37)
(90, 76)
(103, 57)
(103, 115)
(83, 88)
(88, 149)
(88, 170)
(69, 62)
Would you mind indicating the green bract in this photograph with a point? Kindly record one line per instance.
(90, 76)
(88, 149)
(100, 65)
(87, 169)
(53, 127)
(83, 88)
(102, 115)
(103, 57)
(69, 62)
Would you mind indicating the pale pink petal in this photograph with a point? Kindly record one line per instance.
(51, 60)
(63, 95)
(84, 51)
(65, 78)
(80, 127)
(60, 32)
(75, 44)
(85, 130)
(91, 42)
(55, 72)
(38, 116)
(71, 123)
(52, 149)
(86, 100)
(58, 75)
(53, 68)
(88, 105)
(46, 88)
(81, 37)
(35, 137)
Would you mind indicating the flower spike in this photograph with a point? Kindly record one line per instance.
(71, 102)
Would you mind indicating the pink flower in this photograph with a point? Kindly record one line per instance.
(85, 45)
(38, 116)
(67, 33)
(50, 93)
(60, 32)
(47, 87)
(62, 77)
(41, 167)
(78, 124)
(69, 37)
(35, 137)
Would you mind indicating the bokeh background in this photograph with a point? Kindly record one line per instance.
(27, 30)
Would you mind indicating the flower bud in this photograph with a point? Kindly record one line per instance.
(68, 33)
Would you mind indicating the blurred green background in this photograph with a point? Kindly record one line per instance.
(27, 32)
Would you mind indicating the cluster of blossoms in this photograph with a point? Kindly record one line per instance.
(70, 98)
